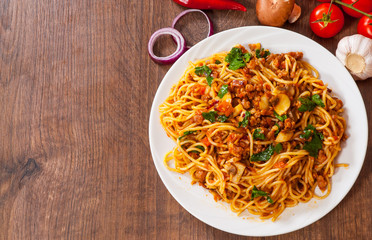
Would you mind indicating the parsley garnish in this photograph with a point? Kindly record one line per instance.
(277, 131)
(258, 193)
(210, 116)
(237, 59)
(264, 155)
(281, 118)
(298, 146)
(315, 144)
(258, 135)
(244, 122)
(278, 147)
(200, 147)
(185, 134)
(223, 91)
(222, 118)
(217, 62)
(308, 104)
(265, 53)
(206, 71)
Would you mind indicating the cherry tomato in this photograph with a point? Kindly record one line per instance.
(326, 25)
(363, 5)
(365, 26)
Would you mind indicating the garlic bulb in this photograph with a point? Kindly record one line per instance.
(355, 52)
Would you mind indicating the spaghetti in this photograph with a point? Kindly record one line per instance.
(259, 130)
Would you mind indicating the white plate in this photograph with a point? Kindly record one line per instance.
(198, 201)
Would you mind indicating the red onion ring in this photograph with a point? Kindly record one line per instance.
(179, 39)
(210, 25)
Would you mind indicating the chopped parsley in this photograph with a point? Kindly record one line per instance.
(222, 118)
(210, 116)
(217, 62)
(257, 134)
(258, 193)
(308, 104)
(281, 118)
(223, 90)
(204, 70)
(237, 59)
(185, 134)
(261, 53)
(244, 122)
(277, 131)
(200, 147)
(278, 148)
(267, 153)
(315, 144)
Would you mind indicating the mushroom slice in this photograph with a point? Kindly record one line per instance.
(282, 104)
(296, 13)
(240, 169)
(284, 136)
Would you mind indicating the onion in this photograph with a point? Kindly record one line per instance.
(210, 25)
(179, 39)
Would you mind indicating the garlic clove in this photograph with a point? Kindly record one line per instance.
(355, 52)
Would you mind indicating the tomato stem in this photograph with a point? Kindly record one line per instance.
(351, 6)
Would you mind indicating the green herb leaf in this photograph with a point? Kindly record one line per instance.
(210, 116)
(223, 91)
(308, 132)
(277, 131)
(317, 100)
(200, 147)
(278, 148)
(206, 71)
(209, 80)
(247, 57)
(308, 104)
(281, 118)
(298, 146)
(237, 59)
(185, 134)
(258, 193)
(258, 135)
(217, 62)
(314, 145)
(244, 122)
(222, 118)
(265, 53)
(264, 155)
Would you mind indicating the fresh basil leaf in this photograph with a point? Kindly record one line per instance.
(317, 100)
(186, 133)
(236, 58)
(278, 148)
(264, 155)
(222, 118)
(258, 135)
(223, 91)
(244, 122)
(210, 116)
(258, 193)
(281, 118)
(209, 80)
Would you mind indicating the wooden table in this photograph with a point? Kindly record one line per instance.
(76, 87)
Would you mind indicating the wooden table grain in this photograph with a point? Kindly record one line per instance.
(76, 88)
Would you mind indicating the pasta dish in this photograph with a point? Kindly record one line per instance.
(259, 130)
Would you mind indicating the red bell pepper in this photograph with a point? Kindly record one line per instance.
(211, 4)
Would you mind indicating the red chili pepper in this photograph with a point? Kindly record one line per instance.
(211, 4)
